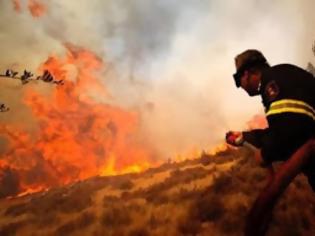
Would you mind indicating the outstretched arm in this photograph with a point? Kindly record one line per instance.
(255, 137)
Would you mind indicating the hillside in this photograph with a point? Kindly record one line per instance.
(206, 196)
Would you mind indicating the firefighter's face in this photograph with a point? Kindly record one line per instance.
(250, 83)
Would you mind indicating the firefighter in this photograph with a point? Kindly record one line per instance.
(288, 96)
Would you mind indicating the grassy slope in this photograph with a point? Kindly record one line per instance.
(207, 196)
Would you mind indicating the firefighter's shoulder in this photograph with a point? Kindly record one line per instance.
(283, 79)
(287, 73)
(271, 84)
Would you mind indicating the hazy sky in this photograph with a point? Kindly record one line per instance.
(177, 55)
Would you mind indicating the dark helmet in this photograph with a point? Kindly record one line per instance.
(247, 60)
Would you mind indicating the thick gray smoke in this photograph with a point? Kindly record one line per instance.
(171, 60)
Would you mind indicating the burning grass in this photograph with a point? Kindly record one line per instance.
(78, 136)
(57, 201)
(169, 207)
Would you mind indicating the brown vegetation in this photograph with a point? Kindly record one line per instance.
(12, 228)
(81, 222)
(197, 197)
(115, 217)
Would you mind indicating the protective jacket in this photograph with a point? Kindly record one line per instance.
(288, 95)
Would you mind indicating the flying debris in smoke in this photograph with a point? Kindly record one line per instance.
(4, 108)
(10, 73)
(48, 78)
(28, 76)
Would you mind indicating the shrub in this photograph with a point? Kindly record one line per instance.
(66, 228)
(156, 193)
(126, 185)
(222, 184)
(231, 223)
(115, 217)
(16, 210)
(205, 159)
(45, 220)
(71, 201)
(75, 202)
(153, 222)
(157, 199)
(136, 207)
(185, 195)
(187, 175)
(139, 231)
(188, 226)
(208, 207)
(109, 200)
(81, 222)
(12, 228)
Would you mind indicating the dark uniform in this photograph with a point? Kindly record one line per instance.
(288, 95)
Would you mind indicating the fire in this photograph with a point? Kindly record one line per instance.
(78, 137)
(31, 190)
(196, 152)
(257, 122)
(17, 5)
(35, 7)
(219, 148)
(189, 154)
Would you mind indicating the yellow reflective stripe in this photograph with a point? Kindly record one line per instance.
(293, 106)
(293, 102)
(292, 110)
(297, 106)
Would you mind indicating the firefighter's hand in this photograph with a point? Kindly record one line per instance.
(234, 138)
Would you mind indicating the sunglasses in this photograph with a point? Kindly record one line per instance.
(240, 72)
(237, 78)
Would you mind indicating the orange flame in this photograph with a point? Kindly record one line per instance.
(78, 137)
(219, 148)
(195, 152)
(17, 5)
(36, 8)
(257, 122)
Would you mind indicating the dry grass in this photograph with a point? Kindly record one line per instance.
(80, 223)
(71, 201)
(188, 226)
(115, 217)
(12, 228)
(139, 231)
(196, 197)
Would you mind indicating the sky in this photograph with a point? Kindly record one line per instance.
(170, 60)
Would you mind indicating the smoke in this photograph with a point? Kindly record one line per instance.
(171, 60)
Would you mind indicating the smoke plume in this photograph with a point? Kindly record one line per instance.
(170, 61)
